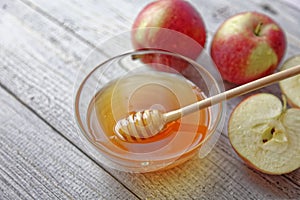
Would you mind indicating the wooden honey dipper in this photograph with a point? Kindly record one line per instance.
(147, 123)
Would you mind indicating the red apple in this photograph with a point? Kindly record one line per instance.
(248, 46)
(169, 25)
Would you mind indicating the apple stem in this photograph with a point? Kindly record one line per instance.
(135, 57)
(258, 28)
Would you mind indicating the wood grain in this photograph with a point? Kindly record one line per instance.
(40, 70)
(38, 163)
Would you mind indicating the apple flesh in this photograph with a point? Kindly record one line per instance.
(291, 87)
(248, 46)
(169, 25)
(265, 134)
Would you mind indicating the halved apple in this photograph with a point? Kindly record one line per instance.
(265, 134)
(291, 86)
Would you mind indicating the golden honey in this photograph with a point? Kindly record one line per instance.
(137, 92)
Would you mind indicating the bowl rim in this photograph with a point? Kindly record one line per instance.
(79, 123)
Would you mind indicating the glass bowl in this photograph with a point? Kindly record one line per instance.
(148, 79)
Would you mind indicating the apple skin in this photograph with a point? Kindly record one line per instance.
(187, 37)
(248, 46)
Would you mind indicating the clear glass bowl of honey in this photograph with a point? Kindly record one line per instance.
(130, 82)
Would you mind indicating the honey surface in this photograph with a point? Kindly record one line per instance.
(147, 90)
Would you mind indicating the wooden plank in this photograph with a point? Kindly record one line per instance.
(41, 73)
(38, 163)
(293, 3)
(89, 20)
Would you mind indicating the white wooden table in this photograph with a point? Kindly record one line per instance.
(42, 44)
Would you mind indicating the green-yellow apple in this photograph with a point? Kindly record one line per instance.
(265, 134)
(248, 46)
(291, 87)
(169, 25)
